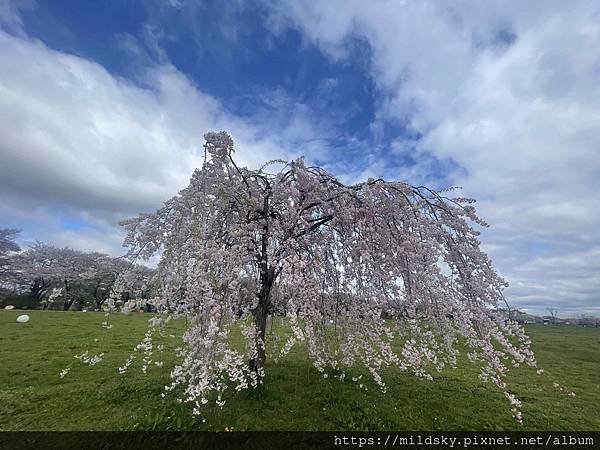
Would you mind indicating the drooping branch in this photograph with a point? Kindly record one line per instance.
(384, 260)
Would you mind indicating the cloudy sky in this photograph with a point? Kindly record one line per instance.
(102, 112)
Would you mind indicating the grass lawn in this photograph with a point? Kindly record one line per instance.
(295, 396)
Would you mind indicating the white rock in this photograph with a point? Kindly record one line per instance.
(9, 307)
(23, 318)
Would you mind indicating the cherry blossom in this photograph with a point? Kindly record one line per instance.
(374, 274)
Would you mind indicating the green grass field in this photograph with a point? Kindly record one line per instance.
(294, 397)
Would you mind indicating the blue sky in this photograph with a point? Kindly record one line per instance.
(104, 108)
(230, 52)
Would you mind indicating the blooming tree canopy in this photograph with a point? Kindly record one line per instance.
(74, 275)
(7, 246)
(48, 265)
(378, 274)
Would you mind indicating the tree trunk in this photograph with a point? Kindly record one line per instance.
(260, 321)
(98, 297)
(267, 278)
(39, 290)
(68, 300)
(260, 314)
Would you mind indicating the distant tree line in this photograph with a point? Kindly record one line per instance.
(552, 318)
(48, 277)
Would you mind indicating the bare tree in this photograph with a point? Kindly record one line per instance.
(588, 320)
(553, 315)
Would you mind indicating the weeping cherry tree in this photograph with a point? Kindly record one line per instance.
(374, 274)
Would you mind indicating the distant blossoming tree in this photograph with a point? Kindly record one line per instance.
(8, 273)
(44, 266)
(50, 273)
(7, 246)
(378, 274)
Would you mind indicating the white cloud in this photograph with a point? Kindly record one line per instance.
(509, 91)
(77, 140)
